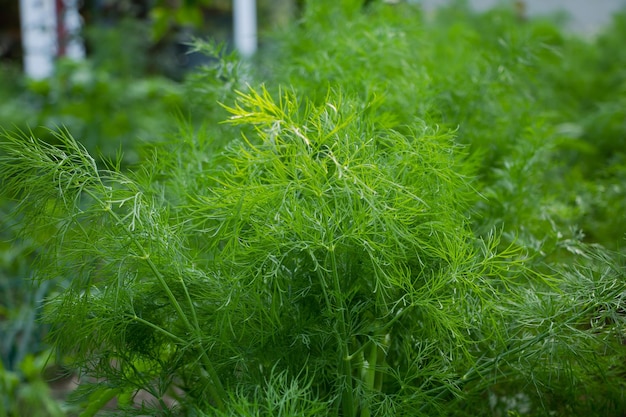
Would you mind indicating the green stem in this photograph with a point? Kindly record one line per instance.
(345, 359)
(369, 378)
(380, 366)
(157, 328)
(374, 366)
(343, 339)
(99, 400)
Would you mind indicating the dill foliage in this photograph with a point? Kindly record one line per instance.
(321, 253)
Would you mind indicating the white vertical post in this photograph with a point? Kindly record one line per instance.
(38, 19)
(71, 21)
(50, 28)
(245, 26)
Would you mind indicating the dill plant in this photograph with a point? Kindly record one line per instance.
(319, 252)
(337, 256)
(342, 226)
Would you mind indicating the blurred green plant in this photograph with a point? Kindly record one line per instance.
(165, 14)
(109, 99)
(108, 112)
(24, 392)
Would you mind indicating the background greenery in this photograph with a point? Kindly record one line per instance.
(521, 129)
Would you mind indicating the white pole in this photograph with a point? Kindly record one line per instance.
(245, 26)
(39, 37)
(72, 22)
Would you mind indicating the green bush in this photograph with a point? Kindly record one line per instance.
(388, 224)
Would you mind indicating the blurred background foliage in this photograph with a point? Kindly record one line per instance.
(543, 110)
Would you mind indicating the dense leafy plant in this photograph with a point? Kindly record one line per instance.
(26, 391)
(371, 232)
(326, 251)
(326, 254)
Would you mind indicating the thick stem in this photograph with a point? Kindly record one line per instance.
(334, 304)
(374, 366)
(347, 395)
(369, 377)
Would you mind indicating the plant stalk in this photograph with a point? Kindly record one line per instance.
(348, 391)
